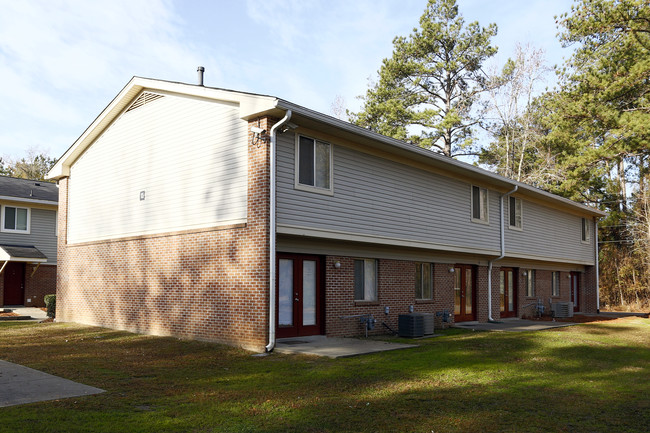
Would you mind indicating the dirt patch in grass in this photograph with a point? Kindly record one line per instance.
(577, 318)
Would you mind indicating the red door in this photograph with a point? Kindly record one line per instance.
(14, 283)
(464, 293)
(575, 290)
(299, 295)
(508, 292)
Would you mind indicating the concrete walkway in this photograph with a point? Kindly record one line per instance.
(26, 313)
(20, 385)
(512, 325)
(335, 347)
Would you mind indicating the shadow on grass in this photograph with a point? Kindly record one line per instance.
(566, 380)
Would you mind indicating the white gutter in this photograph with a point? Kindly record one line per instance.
(272, 232)
(597, 268)
(503, 250)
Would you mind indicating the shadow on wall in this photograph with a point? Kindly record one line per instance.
(207, 285)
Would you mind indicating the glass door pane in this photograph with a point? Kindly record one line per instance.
(308, 292)
(285, 295)
(457, 288)
(511, 292)
(469, 291)
(502, 291)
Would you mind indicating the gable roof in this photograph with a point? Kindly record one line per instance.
(33, 191)
(253, 105)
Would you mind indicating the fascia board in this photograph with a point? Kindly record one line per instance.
(27, 200)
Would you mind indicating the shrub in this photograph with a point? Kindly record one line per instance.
(50, 304)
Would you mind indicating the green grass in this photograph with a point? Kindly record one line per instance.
(584, 378)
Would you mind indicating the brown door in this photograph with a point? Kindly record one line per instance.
(575, 290)
(508, 292)
(464, 293)
(299, 295)
(14, 283)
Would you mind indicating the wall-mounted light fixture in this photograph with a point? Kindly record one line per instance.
(525, 273)
(337, 265)
(259, 135)
(452, 270)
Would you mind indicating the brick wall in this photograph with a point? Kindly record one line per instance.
(395, 289)
(42, 283)
(588, 293)
(204, 284)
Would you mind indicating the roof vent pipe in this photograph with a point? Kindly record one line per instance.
(200, 70)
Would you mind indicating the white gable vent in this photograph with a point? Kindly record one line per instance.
(144, 98)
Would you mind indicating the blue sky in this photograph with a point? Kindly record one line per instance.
(62, 62)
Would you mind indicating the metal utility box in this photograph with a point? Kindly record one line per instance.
(410, 325)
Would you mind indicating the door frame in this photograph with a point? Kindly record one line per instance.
(463, 317)
(575, 293)
(18, 292)
(514, 273)
(298, 330)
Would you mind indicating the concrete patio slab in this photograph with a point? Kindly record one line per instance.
(512, 325)
(320, 345)
(20, 385)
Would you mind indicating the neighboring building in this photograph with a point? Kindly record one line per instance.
(27, 241)
(169, 225)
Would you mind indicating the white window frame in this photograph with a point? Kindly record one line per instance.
(313, 188)
(555, 283)
(519, 213)
(29, 219)
(370, 292)
(530, 283)
(419, 283)
(484, 204)
(585, 230)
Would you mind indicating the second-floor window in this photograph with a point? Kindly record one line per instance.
(515, 213)
(15, 219)
(313, 165)
(585, 230)
(479, 204)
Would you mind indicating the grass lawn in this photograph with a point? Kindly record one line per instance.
(584, 378)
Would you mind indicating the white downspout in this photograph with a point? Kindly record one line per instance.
(503, 250)
(597, 267)
(272, 210)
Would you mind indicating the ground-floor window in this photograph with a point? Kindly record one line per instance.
(530, 283)
(365, 279)
(555, 283)
(423, 281)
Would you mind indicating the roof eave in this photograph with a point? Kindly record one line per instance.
(438, 159)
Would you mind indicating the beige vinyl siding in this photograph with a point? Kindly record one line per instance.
(549, 233)
(387, 201)
(188, 156)
(42, 234)
(377, 197)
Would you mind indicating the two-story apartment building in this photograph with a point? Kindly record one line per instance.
(241, 218)
(28, 217)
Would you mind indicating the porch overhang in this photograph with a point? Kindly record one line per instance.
(21, 253)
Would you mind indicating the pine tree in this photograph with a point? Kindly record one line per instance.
(428, 90)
